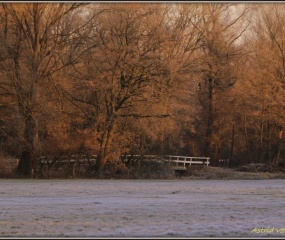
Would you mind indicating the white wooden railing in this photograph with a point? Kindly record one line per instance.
(82, 158)
(188, 160)
(178, 160)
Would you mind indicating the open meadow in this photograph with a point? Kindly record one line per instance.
(142, 208)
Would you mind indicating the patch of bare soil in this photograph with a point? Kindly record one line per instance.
(201, 172)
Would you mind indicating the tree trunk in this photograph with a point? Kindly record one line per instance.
(26, 103)
(261, 135)
(233, 140)
(277, 160)
(209, 130)
(249, 155)
(269, 143)
(29, 154)
(105, 149)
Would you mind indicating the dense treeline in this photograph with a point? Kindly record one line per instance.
(190, 79)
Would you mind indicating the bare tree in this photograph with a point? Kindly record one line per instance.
(120, 69)
(220, 30)
(267, 71)
(34, 40)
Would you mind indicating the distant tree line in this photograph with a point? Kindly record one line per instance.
(198, 79)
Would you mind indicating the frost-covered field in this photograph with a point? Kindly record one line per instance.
(142, 208)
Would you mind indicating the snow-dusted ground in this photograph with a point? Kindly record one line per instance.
(142, 208)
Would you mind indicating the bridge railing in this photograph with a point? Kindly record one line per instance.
(74, 158)
(91, 159)
(185, 160)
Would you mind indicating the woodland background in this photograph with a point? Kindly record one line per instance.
(197, 79)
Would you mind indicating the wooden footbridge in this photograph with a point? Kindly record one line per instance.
(182, 162)
(177, 162)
